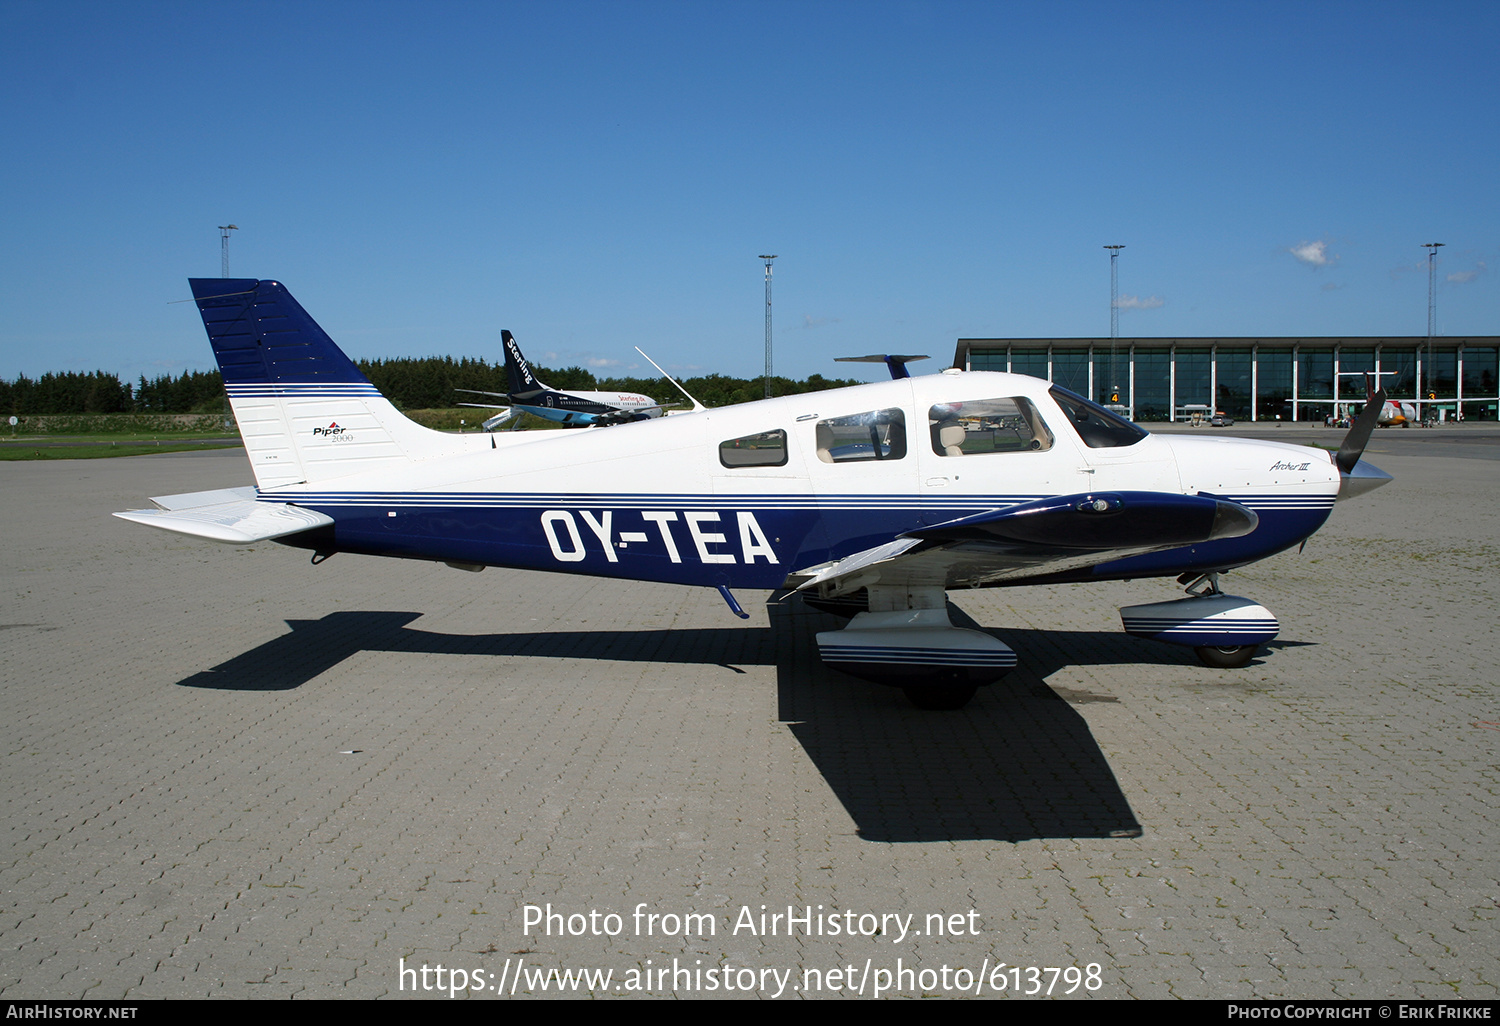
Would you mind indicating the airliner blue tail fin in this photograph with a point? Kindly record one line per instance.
(517, 370)
(305, 411)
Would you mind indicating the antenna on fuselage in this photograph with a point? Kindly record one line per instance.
(696, 404)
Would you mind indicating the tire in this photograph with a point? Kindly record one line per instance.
(1226, 658)
(939, 697)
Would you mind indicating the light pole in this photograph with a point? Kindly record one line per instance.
(224, 230)
(768, 257)
(1432, 248)
(1114, 321)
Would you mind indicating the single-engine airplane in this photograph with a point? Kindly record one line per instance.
(571, 409)
(871, 501)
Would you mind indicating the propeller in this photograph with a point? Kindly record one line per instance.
(1359, 434)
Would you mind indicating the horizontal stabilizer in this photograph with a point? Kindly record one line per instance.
(233, 518)
(896, 364)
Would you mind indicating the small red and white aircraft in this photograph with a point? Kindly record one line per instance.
(870, 501)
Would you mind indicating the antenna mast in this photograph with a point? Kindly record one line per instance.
(768, 258)
(224, 230)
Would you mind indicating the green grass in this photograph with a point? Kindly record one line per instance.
(103, 436)
(76, 448)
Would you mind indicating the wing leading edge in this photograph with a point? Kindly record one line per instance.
(1034, 539)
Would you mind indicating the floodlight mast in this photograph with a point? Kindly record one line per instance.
(1432, 248)
(768, 258)
(1114, 321)
(224, 230)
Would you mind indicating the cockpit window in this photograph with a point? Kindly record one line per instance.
(1098, 427)
(877, 435)
(987, 426)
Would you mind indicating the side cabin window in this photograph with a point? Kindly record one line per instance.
(1099, 428)
(877, 435)
(767, 449)
(987, 426)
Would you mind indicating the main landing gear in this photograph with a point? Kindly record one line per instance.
(905, 639)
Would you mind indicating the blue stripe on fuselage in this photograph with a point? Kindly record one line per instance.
(719, 539)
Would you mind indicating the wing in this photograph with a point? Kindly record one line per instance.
(504, 397)
(1034, 539)
(231, 515)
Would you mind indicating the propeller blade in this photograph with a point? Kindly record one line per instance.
(1359, 434)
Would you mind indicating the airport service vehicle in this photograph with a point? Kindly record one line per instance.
(571, 409)
(871, 501)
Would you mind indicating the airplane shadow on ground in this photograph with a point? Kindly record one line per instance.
(1019, 763)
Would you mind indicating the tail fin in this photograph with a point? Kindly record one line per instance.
(305, 411)
(517, 370)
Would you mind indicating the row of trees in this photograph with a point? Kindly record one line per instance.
(97, 392)
(427, 383)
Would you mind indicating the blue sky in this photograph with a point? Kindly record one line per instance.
(595, 176)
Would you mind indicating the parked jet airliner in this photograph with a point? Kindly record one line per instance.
(871, 501)
(571, 409)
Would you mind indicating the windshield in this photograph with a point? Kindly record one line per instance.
(1098, 427)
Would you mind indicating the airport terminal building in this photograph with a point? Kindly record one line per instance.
(1255, 378)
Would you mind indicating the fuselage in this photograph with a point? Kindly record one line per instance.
(585, 409)
(744, 495)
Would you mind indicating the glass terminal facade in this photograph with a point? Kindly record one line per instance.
(1151, 379)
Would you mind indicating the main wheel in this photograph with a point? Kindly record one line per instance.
(940, 696)
(1226, 657)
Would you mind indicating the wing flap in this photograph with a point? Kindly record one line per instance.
(235, 521)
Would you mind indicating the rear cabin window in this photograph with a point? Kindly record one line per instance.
(877, 435)
(987, 426)
(767, 449)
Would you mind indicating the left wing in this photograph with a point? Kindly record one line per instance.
(1034, 539)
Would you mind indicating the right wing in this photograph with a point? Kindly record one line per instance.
(1034, 539)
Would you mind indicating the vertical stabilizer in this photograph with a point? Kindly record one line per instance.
(305, 411)
(517, 370)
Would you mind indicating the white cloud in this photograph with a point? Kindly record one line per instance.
(1329, 286)
(1138, 303)
(1464, 277)
(1315, 253)
(809, 321)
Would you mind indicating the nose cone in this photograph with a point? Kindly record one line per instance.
(1361, 478)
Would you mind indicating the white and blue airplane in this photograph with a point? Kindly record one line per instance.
(571, 409)
(870, 501)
